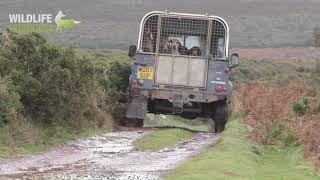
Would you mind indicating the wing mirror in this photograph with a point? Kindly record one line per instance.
(234, 61)
(132, 50)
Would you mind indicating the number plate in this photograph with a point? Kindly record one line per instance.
(145, 72)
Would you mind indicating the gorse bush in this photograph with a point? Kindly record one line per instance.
(55, 86)
(10, 106)
(114, 79)
(52, 82)
(49, 94)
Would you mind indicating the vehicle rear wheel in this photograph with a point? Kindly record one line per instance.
(220, 118)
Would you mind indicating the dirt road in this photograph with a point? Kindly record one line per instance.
(108, 156)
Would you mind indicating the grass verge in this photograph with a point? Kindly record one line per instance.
(236, 157)
(161, 139)
(179, 122)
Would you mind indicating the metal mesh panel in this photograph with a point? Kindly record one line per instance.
(217, 40)
(183, 36)
(179, 70)
(149, 38)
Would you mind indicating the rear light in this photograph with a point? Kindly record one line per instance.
(226, 70)
(218, 88)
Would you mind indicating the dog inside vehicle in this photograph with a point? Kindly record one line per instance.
(183, 50)
(148, 39)
(194, 51)
(172, 47)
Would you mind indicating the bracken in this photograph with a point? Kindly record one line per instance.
(266, 107)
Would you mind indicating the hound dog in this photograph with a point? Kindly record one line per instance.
(183, 50)
(147, 45)
(194, 51)
(172, 47)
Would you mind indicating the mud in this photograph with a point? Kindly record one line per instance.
(108, 156)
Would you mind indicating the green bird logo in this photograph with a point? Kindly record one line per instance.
(64, 24)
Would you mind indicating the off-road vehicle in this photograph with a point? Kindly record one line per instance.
(181, 66)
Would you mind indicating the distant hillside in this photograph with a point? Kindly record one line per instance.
(114, 23)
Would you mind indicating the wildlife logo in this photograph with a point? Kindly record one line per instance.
(41, 23)
(64, 24)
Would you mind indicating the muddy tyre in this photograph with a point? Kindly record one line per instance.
(132, 122)
(189, 115)
(220, 118)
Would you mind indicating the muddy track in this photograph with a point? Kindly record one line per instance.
(108, 156)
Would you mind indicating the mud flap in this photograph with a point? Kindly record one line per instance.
(177, 104)
(220, 116)
(137, 109)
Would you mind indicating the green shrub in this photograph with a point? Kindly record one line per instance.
(300, 69)
(282, 135)
(300, 108)
(49, 94)
(116, 81)
(56, 86)
(10, 106)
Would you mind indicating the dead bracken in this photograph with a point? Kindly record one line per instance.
(269, 112)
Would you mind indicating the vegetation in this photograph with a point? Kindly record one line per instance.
(166, 137)
(10, 105)
(199, 124)
(316, 35)
(163, 138)
(300, 108)
(237, 157)
(48, 91)
(283, 116)
(281, 102)
(275, 72)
